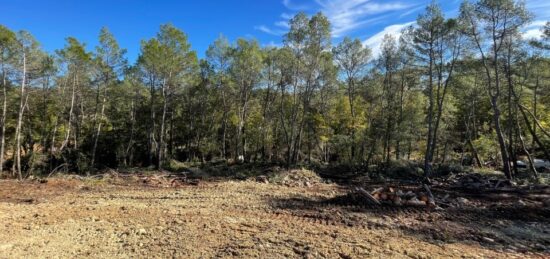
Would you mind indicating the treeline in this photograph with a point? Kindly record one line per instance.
(465, 90)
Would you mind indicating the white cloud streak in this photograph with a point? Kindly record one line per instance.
(345, 16)
(267, 30)
(375, 41)
(349, 15)
(292, 5)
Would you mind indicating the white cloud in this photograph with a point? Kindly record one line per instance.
(267, 30)
(374, 41)
(273, 44)
(532, 34)
(349, 15)
(345, 15)
(287, 16)
(533, 30)
(541, 10)
(412, 10)
(283, 24)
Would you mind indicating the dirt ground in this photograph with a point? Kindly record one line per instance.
(74, 218)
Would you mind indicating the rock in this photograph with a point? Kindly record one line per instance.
(415, 202)
(489, 240)
(142, 231)
(262, 179)
(397, 201)
(521, 203)
(5, 247)
(462, 201)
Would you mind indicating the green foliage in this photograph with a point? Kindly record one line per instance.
(430, 95)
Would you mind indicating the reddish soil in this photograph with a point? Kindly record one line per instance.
(127, 218)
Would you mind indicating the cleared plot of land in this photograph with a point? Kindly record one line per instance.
(73, 218)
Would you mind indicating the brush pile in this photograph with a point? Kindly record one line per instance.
(478, 181)
(393, 196)
(168, 180)
(294, 178)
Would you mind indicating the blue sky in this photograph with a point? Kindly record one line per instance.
(266, 20)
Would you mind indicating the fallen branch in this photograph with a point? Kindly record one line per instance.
(431, 199)
(367, 195)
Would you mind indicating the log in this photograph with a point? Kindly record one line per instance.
(367, 195)
(431, 199)
(377, 191)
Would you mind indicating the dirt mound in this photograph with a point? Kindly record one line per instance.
(296, 178)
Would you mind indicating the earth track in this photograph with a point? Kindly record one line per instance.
(70, 219)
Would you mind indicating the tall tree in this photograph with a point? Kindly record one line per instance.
(77, 61)
(388, 64)
(219, 57)
(352, 59)
(110, 64)
(309, 42)
(8, 44)
(169, 64)
(246, 68)
(488, 24)
(437, 43)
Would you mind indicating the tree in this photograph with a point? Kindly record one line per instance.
(8, 44)
(352, 59)
(218, 56)
(437, 45)
(488, 23)
(306, 102)
(110, 63)
(388, 63)
(246, 68)
(168, 64)
(77, 62)
(308, 41)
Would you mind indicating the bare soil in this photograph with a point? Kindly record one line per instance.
(72, 218)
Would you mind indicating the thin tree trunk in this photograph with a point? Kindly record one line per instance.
(3, 119)
(531, 130)
(151, 127)
(429, 152)
(531, 163)
(127, 157)
(99, 124)
(69, 123)
(163, 119)
(22, 103)
(500, 138)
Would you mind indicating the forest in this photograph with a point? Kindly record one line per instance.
(466, 90)
(435, 145)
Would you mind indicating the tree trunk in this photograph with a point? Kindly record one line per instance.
(429, 152)
(99, 124)
(531, 163)
(151, 127)
(22, 103)
(3, 119)
(500, 138)
(162, 122)
(69, 123)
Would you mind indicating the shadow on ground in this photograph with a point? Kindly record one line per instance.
(499, 228)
